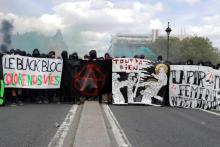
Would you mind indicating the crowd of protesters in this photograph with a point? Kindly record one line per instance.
(17, 96)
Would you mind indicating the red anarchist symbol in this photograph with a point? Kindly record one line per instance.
(89, 80)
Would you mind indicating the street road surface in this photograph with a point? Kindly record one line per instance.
(30, 125)
(148, 126)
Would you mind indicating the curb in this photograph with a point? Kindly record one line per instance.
(115, 128)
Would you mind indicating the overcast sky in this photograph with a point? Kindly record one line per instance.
(88, 24)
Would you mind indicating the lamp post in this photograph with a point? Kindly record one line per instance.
(168, 30)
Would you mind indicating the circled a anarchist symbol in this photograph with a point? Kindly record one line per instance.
(89, 80)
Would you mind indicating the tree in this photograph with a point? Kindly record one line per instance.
(195, 48)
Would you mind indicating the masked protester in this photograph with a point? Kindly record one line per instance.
(74, 97)
(51, 92)
(200, 63)
(75, 56)
(36, 93)
(160, 59)
(108, 96)
(107, 56)
(12, 51)
(51, 54)
(93, 55)
(218, 66)
(189, 62)
(16, 93)
(64, 89)
(101, 58)
(86, 57)
(142, 57)
(36, 53)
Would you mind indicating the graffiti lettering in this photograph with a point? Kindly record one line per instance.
(195, 87)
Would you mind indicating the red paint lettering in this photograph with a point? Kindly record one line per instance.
(15, 78)
(34, 79)
(45, 79)
(8, 79)
(52, 80)
(23, 79)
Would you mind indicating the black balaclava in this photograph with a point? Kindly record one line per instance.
(64, 55)
(36, 53)
(75, 56)
(93, 54)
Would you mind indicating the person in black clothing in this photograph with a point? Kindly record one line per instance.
(200, 63)
(36, 93)
(51, 92)
(142, 57)
(86, 57)
(217, 66)
(64, 88)
(107, 56)
(189, 62)
(159, 59)
(93, 55)
(74, 95)
(16, 93)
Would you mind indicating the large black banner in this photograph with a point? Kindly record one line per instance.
(87, 78)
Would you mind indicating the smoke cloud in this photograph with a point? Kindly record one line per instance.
(6, 32)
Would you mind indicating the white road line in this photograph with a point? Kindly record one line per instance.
(214, 113)
(118, 133)
(58, 139)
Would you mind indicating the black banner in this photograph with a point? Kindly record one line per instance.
(87, 78)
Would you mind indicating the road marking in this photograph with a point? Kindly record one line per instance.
(58, 139)
(118, 133)
(218, 114)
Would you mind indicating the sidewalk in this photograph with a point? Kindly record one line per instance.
(92, 130)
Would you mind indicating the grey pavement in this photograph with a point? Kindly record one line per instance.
(147, 126)
(92, 131)
(31, 125)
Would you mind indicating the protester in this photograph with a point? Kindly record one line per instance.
(218, 66)
(142, 57)
(189, 62)
(200, 63)
(36, 93)
(108, 95)
(93, 55)
(74, 97)
(64, 90)
(160, 59)
(86, 57)
(107, 56)
(51, 92)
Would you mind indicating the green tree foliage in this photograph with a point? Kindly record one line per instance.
(195, 48)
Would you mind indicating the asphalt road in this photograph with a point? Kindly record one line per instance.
(148, 126)
(30, 125)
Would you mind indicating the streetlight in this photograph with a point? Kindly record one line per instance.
(168, 30)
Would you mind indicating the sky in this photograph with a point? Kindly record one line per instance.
(90, 24)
